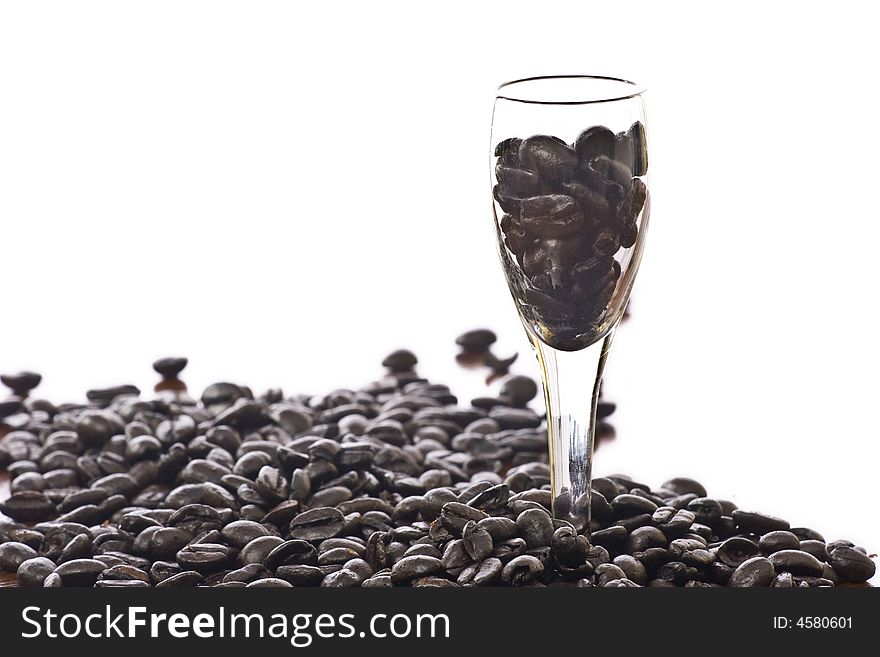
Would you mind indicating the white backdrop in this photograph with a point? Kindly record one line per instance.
(284, 192)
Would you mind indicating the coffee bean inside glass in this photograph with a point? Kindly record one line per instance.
(571, 200)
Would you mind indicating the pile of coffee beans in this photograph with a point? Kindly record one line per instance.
(394, 484)
(567, 211)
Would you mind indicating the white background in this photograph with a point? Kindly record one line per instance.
(285, 191)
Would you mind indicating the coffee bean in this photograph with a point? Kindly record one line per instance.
(13, 554)
(187, 578)
(627, 506)
(521, 570)
(706, 510)
(477, 340)
(633, 568)
(796, 563)
(536, 527)
(33, 572)
(410, 568)
(292, 553)
(203, 558)
(401, 360)
(169, 367)
(736, 550)
(850, 565)
(80, 572)
(748, 521)
(241, 532)
(21, 383)
(28, 506)
(778, 540)
(757, 571)
(643, 538)
(317, 524)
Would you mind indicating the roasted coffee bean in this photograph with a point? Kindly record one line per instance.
(757, 571)
(706, 510)
(627, 506)
(796, 563)
(28, 506)
(203, 558)
(748, 521)
(401, 360)
(477, 541)
(187, 578)
(80, 572)
(643, 538)
(169, 367)
(317, 524)
(522, 570)
(536, 527)
(736, 550)
(13, 554)
(292, 553)
(520, 390)
(33, 572)
(850, 565)
(805, 534)
(550, 157)
(21, 383)
(778, 540)
(410, 568)
(477, 340)
(241, 532)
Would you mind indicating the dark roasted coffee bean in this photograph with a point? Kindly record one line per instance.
(410, 568)
(292, 553)
(550, 157)
(80, 572)
(28, 506)
(169, 367)
(53, 581)
(816, 548)
(748, 521)
(805, 534)
(317, 524)
(850, 565)
(633, 568)
(21, 383)
(257, 550)
(203, 558)
(520, 390)
(778, 540)
(13, 554)
(536, 527)
(796, 563)
(96, 427)
(477, 340)
(401, 360)
(241, 532)
(643, 538)
(477, 541)
(754, 572)
(186, 578)
(706, 510)
(627, 506)
(33, 572)
(125, 572)
(734, 551)
(455, 515)
(522, 570)
(612, 537)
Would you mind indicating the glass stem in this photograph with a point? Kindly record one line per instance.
(571, 391)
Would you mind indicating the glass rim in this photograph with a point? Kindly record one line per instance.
(637, 90)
